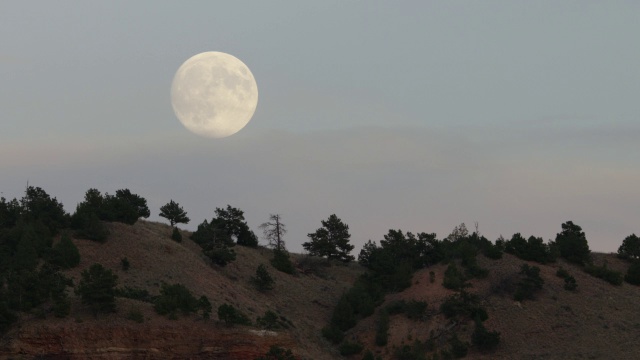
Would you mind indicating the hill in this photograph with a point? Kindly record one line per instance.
(306, 301)
(597, 321)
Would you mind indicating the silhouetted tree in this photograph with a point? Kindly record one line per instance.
(273, 231)
(231, 221)
(173, 212)
(331, 240)
(630, 248)
(37, 205)
(97, 289)
(573, 244)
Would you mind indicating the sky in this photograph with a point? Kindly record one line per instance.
(413, 115)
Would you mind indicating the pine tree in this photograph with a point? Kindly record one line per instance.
(65, 253)
(97, 289)
(173, 212)
(331, 240)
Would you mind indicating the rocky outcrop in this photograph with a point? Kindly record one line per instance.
(177, 340)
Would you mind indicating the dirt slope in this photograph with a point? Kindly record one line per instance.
(305, 300)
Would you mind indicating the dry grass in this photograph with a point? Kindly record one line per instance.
(599, 321)
(306, 300)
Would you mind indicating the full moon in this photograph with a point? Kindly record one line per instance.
(214, 94)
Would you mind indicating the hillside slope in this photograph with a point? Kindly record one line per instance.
(305, 300)
(598, 321)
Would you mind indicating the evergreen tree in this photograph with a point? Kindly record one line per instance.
(573, 244)
(97, 289)
(630, 248)
(231, 221)
(26, 257)
(173, 212)
(331, 240)
(65, 253)
(263, 279)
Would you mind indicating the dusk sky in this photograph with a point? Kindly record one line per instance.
(415, 115)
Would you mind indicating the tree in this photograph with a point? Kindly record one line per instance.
(65, 253)
(573, 244)
(263, 279)
(97, 289)
(231, 221)
(231, 316)
(173, 212)
(137, 202)
(38, 205)
(630, 248)
(173, 298)
(273, 231)
(331, 240)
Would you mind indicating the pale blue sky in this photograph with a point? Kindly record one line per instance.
(414, 115)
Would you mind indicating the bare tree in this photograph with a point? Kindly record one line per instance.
(273, 231)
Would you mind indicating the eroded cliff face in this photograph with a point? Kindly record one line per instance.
(177, 340)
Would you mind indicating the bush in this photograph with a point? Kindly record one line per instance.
(570, 283)
(65, 254)
(333, 334)
(463, 304)
(630, 248)
(124, 263)
(270, 321)
(232, 316)
(603, 272)
(173, 298)
(368, 355)
(382, 329)
(220, 255)
(135, 315)
(277, 353)
(453, 278)
(176, 235)
(458, 348)
(483, 339)
(633, 273)
(350, 348)
(205, 306)
(263, 279)
(529, 284)
(282, 262)
(415, 310)
(133, 293)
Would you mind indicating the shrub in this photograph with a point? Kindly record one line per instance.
(453, 278)
(483, 339)
(382, 329)
(277, 353)
(415, 310)
(124, 263)
(529, 284)
(350, 348)
(432, 277)
(133, 293)
(603, 272)
(396, 307)
(282, 262)
(463, 304)
(232, 316)
(220, 255)
(333, 334)
(135, 314)
(570, 283)
(633, 273)
(368, 355)
(458, 348)
(175, 297)
(176, 235)
(269, 321)
(205, 306)
(263, 280)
